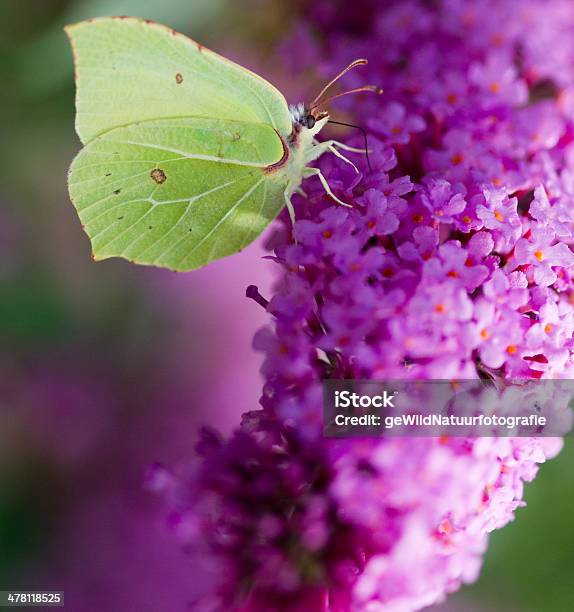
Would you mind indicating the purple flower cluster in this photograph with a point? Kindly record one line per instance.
(453, 262)
(472, 191)
(291, 523)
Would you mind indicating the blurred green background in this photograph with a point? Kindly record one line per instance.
(103, 367)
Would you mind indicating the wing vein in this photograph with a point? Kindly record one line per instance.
(185, 212)
(225, 216)
(186, 155)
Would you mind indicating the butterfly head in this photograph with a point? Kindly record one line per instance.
(311, 118)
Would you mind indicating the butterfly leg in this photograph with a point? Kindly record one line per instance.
(334, 151)
(290, 208)
(316, 172)
(344, 147)
(335, 144)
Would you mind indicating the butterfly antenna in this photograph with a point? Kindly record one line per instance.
(363, 132)
(371, 88)
(358, 62)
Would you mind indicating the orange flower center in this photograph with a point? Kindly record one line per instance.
(457, 159)
(497, 39)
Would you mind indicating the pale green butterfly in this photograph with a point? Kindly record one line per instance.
(187, 156)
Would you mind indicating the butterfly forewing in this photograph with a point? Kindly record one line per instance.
(128, 70)
(177, 193)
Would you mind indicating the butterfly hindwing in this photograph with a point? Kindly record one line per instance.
(129, 70)
(177, 193)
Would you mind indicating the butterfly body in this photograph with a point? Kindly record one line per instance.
(301, 150)
(187, 156)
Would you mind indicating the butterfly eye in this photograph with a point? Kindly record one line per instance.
(310, 121)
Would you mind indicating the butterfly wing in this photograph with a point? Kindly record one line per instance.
(129, 70)
(177, 193)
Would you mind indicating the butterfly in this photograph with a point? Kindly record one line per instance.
(187, 156)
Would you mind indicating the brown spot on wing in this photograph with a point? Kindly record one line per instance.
(158, 175)
(179, 78)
